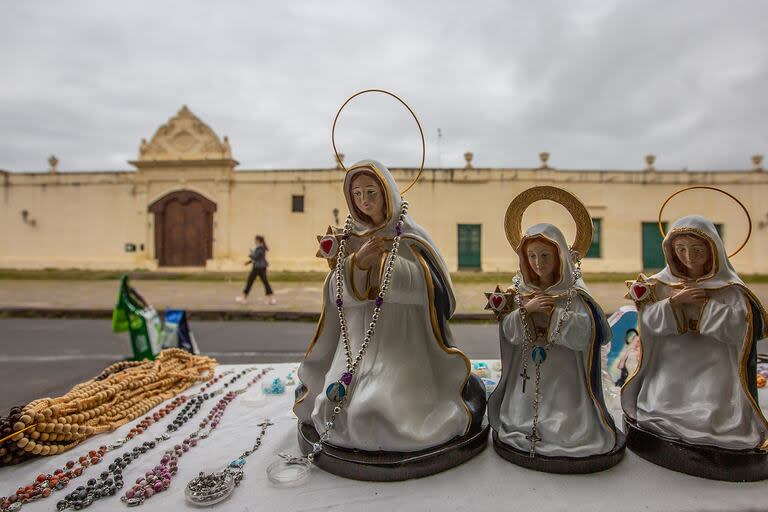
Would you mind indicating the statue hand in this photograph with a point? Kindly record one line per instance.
(695, 296)
(540, 304)
(369, 253)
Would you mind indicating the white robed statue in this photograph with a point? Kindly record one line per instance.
(548, 410)
(695, 390)
(408, 393)
(383, 388)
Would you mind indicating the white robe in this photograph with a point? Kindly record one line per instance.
(569, 423)
(407, 392)
(692, 389)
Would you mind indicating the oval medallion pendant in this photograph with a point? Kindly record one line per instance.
(336, 392)
(209, 489)
(539, 355)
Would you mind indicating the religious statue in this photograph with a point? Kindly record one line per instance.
(692, 404)
(384, 394)
(548, 411)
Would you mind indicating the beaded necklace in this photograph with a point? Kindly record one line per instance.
(121, 393)
(539, 353)
(111, 480)
(160, 477)
(338, 392)
(45, 484)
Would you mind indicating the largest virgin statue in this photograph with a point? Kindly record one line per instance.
(692, 404)
(385, 395)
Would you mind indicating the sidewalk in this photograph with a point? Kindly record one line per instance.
(216, 300)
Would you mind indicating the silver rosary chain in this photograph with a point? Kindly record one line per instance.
(352, 365)
(529, 340)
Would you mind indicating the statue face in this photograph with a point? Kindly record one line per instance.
(693, 252)
(368, 197)
(542, 258)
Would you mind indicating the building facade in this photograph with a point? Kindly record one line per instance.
(184, 206)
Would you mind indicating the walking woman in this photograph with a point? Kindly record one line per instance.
(259, 261)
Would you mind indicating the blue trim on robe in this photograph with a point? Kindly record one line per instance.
(595, 376)
(757, 329)
(474, 394)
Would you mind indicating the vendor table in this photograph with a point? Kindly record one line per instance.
(485, 483)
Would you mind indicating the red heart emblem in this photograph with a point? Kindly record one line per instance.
(639, 290)
(326, 245)
(496, 301)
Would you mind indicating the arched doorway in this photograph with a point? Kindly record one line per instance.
(183, 229)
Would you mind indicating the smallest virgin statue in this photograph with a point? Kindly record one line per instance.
(548, 412)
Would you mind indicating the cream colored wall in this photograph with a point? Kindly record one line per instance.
(81, 221)
(84, 219)
(263, 201)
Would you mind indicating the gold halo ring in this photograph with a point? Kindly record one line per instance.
(513, 220)
(746, 212)
(421, 132)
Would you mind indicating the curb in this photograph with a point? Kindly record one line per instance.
(203, 314)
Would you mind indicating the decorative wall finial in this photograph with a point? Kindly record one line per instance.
(468, 156)
(544, 157)
(53, 162)
(650, 160)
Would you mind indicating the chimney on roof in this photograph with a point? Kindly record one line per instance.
(339, 160)
(468, 156)
(649, 161)
(757, 162)
(52, 162)
(544, 157)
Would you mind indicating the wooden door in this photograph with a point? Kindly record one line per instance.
(183, 229)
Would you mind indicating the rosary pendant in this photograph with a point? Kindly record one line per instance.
(211, 488)
(539, 355)
(534, 438)
(336, 391)
(525, 377)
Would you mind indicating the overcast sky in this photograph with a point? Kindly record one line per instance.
(598, 84)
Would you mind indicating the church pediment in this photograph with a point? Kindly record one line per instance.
(184, 138)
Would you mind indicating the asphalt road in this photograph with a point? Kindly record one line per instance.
(46, 357)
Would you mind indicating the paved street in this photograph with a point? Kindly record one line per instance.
(206, 296)
(46, 357)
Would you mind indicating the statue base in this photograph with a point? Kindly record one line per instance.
(697, 460)
(393, 466)
(564, 465)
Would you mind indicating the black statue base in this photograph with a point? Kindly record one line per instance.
(565, 465)
(393, 466)
(704, 461)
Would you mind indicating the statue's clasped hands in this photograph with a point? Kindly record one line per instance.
(688, 295)
(370, 253)
(540, 303)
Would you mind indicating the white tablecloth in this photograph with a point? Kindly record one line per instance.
(485, 483)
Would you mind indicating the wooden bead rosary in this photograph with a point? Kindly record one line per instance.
(122, 392)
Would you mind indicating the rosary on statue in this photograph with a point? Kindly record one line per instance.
(294, 469)
(539, 353)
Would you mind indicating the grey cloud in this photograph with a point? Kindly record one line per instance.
(596, 83)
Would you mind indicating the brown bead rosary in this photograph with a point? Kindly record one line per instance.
(122, 392)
